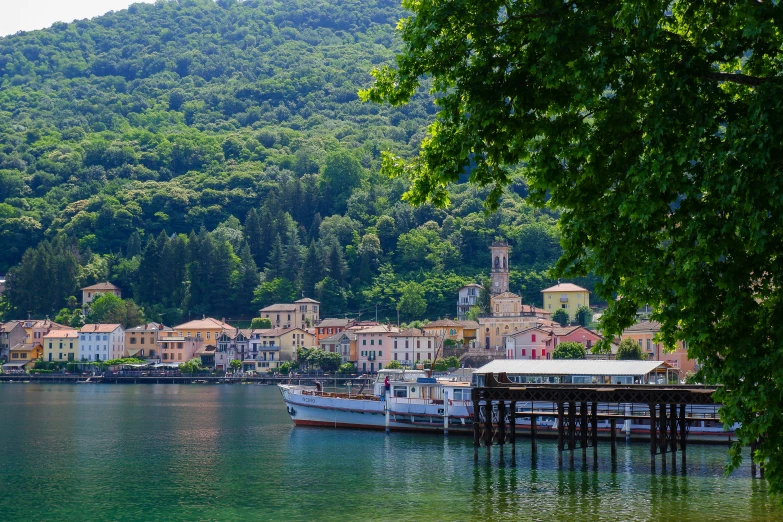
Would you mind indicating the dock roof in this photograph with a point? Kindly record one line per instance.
(572, 367)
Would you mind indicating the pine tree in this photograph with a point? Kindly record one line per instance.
(202, 254)
(149, 287)
(274, 262)
(292, 257)
(254, 236)
(134, 245)
(246, 281)
(312, 269)
(174, 272)
(224, 265)
(336, 264)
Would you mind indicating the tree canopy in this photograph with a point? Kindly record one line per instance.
(569, 350)
(629, 350)
(656, 128)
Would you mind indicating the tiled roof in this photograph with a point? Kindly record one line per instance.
(566, 287)
(307, 300)
(275, 332)
(25, 347)
(151, 327)
(280, 308)
(470, 325)
(336, 337)
(62, 334)
(543, 329)
(472, 285)
(506, 295)
(535, 310)
(333, 322)
(564, 330)
(207, 322)
(206, 350)
(102, 286)
(443, 322)
(380, 328)
(410, 332)
(644, 326)
(99, 328)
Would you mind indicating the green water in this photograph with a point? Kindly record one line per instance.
(210, 452)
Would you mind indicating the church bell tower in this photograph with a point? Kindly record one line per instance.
(499, 267)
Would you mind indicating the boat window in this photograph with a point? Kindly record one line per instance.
(401, 391)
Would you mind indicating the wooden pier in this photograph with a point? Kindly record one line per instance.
(577, 412)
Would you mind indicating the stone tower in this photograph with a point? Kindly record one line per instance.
(499, 267)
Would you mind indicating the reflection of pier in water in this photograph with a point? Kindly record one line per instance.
(495, 413)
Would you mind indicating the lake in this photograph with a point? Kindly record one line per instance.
(220, 452)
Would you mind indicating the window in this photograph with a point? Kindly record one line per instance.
(364, 342)
(179, 356)
(395, 356)
(418, 357)
(649, 345)
(133, 341)
(165, 356)
(380, 353)
(543, 353)
(524, 352)
(429, 356)
(207, 335)
(533, 353)
(50, 345)
(380, 342)
(330, 330)
(418, 343)
(372, 342)
(640, 343)
(400, 391)
(563, 306)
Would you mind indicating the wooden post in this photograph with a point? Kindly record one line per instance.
(572, 426)
(653, 430)
(501, 424)
(488, 424)
(613, 427)
(476, 428)
(683, 435)
(583, 425)
(533, 432)
(673, 431)
(662, 416)
(594, 427)
(513, 427)
(560, 432)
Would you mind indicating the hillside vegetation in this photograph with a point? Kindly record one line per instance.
(211, 158)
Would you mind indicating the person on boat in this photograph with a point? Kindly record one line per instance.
(386, 386)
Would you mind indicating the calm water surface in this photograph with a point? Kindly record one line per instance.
(210, 452)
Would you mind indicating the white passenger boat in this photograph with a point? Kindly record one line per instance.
(418, 402)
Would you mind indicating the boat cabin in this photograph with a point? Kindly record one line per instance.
(579, 371)
(408, 384)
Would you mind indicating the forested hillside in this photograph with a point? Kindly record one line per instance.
(214, 157)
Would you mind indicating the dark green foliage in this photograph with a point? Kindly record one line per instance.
(184, 136)
(561, 316)
(569, 350)
(630, 350)
(583, 315)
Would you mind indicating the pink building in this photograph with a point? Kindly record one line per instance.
(531, 343)
(540, 341)
(576, 334)
(373, 344)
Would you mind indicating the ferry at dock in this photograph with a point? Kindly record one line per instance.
(418, 402)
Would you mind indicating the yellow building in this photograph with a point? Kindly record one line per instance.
(142, 341)
(61, 346)
(24, 355)
(567, 296)
(207, 329)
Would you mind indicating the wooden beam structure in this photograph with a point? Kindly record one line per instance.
(577, 413)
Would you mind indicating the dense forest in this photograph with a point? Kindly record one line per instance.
(214, 157)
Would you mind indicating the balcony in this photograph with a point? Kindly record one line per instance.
(563, 298)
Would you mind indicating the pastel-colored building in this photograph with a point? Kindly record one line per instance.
(303, 314)
(329, 327)
(566, 296)
(24, 355)
(575, 334)
(645, 333)
(90, 293)
(373, 347)
(344, 343)
(142, 341)
(101, 342)
(413, 346)
(467, 297)
(176, 349)
(11, 334)
(531, 343)
(207, 328)
(35, 329)
(61, 346)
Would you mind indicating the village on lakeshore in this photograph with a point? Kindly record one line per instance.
(285, 336)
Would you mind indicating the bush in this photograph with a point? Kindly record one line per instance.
(394, 365)
(347, 368)
(561, 316)
(569, 350)
(629, 350)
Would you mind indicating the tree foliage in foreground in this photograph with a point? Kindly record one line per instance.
(657, 128)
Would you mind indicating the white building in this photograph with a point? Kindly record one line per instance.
(101, 342)
(412, 346)
(468, 296)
